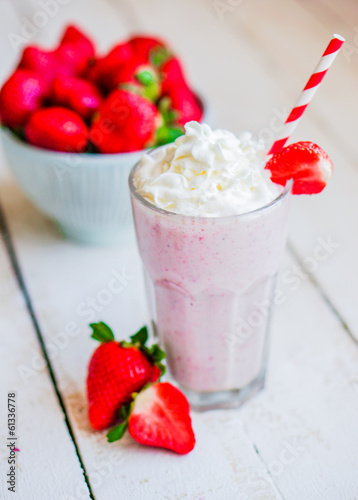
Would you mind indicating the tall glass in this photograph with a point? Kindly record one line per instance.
(211, 281)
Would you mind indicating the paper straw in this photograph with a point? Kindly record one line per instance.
(308, 92)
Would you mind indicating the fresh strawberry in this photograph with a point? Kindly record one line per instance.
(20, 96)
(172, 75)
(159, 416)
(142, 46)
(304, 162)
(68, 59)
(43, 62)
(57, 128)
(116, 370)
(73, 59)
(80, 95)
(73, 35)
(125, 122)
(105, 69)
(75, 52)
(185, 105)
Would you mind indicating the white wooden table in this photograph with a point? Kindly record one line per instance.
(298, 439)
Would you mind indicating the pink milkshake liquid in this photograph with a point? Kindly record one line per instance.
(213, 281)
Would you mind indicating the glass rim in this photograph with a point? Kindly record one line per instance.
(286, 190)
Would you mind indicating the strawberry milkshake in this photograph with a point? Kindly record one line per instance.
(211, 230)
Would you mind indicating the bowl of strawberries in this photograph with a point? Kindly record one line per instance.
(74, 123)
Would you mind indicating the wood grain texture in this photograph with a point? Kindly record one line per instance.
(43, 438)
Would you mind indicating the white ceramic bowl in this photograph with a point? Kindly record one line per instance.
(87, 194)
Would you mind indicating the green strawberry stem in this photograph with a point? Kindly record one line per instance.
(103, 333)
(149, 91)
(159, 55)
(145, 77)
(118, 431)
(165, 107)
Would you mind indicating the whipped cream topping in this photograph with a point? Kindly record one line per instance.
(207, 172)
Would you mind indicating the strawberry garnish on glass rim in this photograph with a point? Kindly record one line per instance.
(305, 163)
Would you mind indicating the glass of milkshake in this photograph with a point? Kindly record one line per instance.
(211, 231)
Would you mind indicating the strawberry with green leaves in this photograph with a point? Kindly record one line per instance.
(116, 371)
(125, 121)
(139, 77)
(158, 416)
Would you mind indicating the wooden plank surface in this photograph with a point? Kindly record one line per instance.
(291, 441)
(42, 435)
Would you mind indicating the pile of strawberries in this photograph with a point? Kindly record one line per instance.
(69, 99)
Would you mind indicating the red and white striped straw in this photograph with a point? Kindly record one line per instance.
(308, 92)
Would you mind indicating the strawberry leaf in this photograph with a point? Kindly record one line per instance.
(124, 412)
(156, 353)
(101, 332)
(151, 91)
(162, 368)
(117, 432)
(140, 337)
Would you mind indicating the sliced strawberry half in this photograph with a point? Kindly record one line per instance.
(159, 416)
(305, 163)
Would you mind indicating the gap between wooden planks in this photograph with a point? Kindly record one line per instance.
(42, 434)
